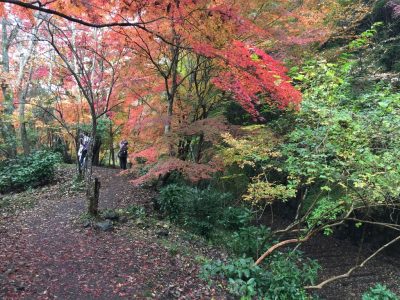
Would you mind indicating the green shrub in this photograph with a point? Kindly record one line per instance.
(205, 210)
(234, 218)
(285, 278)
(30, 171)
(249, 241)
(144, 169)
(379, 292)
(200, 210)
(172, 201)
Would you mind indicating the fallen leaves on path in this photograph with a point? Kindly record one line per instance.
(46, 254)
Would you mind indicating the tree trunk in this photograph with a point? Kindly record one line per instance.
(170, 100)
(22, 121)
(112, 152)
(96, 152)
(7, 129)
(92, 184)
(174, 85)
(199, 148)
(23, 85)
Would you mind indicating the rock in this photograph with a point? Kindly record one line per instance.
(18, 286)
(105, 225)
(10, 271)
(163, 225)
(162, 233)
(111, 215)
(139, 222)
(123, 219)
(86, 224)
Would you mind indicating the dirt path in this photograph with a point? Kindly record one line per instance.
(46, 254)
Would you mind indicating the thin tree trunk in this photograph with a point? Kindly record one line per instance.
(200, 144)
(7, 129)
(22, 121)
(112, 152)
(167, 127)
(22, 89)
(96, 152)
(174, 87)
(92, 184)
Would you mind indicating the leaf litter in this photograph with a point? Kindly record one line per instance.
(48, 254)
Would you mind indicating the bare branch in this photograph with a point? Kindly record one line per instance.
(348, 273)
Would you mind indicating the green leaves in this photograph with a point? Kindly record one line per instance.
(345, 140)
(250, 241)
(31, 171)
(365, 37)
(283, 277)
(379, 292)
(201, 211)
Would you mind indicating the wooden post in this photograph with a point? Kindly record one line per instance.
(93, 197)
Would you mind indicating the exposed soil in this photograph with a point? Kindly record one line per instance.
(337, 256)
(46, 253)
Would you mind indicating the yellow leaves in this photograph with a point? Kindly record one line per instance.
(278, 80)
(265, 191)
(310, 180)
(346, 154)
(360, 184)
(366, 180)
(326, 188)
(257, 146)
(257, 149)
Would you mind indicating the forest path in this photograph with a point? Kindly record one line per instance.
(45, 253)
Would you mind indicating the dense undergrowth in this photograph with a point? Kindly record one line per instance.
(27, 171)
(214, 215)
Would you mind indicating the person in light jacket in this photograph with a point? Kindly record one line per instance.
(84, 141)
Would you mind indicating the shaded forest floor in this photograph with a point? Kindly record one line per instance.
(46, 252)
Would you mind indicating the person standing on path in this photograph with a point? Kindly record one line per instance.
(84, 141)
(123, 154)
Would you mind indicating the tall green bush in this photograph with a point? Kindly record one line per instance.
(250, 241)
(201, 210)
(30, 171)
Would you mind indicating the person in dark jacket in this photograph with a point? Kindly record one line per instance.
(123, 154)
